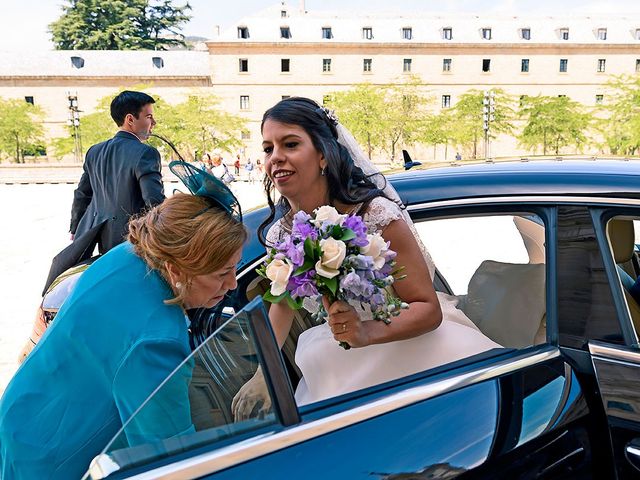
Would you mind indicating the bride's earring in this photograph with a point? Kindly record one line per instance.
(323, 171)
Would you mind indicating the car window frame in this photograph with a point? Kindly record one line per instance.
(545, 210)
(600, 216)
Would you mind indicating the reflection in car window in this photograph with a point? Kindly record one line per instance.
(585, 304)
(168, 423)
(495, 266)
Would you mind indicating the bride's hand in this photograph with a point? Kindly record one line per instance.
(345, 324)
(253, 392)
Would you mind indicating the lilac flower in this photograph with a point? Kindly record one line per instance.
(361, 262)
(303, 285)
(356, 224)
(293, 251)
(302, 228)
(356, 285)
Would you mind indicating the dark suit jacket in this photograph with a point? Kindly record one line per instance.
(121, 178)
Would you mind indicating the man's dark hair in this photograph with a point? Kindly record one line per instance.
(127, 102)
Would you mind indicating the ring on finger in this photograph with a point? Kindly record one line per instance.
(344, 327)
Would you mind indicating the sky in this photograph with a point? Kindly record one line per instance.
(23, 23)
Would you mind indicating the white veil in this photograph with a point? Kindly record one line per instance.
(346, 139)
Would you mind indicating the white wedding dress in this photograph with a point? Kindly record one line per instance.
(328, 370)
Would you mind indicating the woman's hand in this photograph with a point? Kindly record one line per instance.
(345, 324)
(252, 393)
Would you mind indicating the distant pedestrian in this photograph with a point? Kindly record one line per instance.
(121, 176)
(458, 156)
(236, 165)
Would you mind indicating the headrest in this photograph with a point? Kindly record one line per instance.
(622, 238)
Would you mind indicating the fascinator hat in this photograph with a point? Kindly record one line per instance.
(202, 184)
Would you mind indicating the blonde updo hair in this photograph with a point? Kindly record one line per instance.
(186, 231)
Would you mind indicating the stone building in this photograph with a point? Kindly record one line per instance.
(285, 50)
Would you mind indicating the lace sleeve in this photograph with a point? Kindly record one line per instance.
(274, 234)
(380, 213)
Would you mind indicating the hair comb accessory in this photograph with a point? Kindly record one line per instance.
(203, 184)
(330, 114)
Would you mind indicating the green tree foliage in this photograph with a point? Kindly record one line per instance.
(362, 110)
(403, 114)
(467, 118)
(553, 123)
(21, 131)
(621, 130)
(119, 25)
(437, 129)
(195, 125)
(198, 125)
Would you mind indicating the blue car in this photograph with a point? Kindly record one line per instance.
(540, 255)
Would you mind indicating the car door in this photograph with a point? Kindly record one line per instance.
(616, 364)
(506, 413)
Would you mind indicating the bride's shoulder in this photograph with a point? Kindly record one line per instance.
(380, 212)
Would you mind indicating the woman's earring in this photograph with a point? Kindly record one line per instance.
(178, 285)
(323, 171)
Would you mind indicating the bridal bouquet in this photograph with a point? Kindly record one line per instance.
(334, 255)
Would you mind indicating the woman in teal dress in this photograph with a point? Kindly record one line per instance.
(120, 333)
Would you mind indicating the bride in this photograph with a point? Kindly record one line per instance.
(312, 160)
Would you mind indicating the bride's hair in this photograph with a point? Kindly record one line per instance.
(347, 182)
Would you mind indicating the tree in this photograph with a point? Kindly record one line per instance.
(621, 130)
(467, 118)
(119, 25)
(553, 122)
(362, 110)
(21, 131)
(198, 125)
(437, 130)
(403, 112)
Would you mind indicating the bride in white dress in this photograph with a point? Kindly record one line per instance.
(311, 160)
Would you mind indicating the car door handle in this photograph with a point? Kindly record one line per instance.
(632, 452)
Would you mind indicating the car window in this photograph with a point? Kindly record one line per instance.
(623, 235)
(495, 266)
(193, 406)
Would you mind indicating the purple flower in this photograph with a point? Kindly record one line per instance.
(361, 262)
(302, 228)
(293, 251)
(303, 285)
(355, 223)
(356, 285)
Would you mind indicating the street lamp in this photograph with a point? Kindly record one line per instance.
(488, 116)
(74, 122)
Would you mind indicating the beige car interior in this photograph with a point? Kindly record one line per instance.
(621, 236)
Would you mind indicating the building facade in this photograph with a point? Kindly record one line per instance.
(285, 50)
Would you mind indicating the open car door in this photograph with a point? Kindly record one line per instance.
(190, 412)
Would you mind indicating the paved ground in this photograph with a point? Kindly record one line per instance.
(35, 222)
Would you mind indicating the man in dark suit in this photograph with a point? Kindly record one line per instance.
(121, 176)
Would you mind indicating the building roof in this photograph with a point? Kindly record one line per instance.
(346, 26)
(105, 63)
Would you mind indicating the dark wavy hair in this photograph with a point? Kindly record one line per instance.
(347, 182)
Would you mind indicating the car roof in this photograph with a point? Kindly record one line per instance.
(613, 177)
(601, 177)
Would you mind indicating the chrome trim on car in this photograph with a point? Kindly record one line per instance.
(609, 352)
(525, 199)
(229, 456)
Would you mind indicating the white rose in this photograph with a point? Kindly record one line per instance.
(328, 214)
(333, 253)
(279, 271)
(375, 249)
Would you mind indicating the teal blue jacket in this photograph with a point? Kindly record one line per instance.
(110, 346)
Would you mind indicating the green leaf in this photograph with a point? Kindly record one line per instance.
(306, 266)
(348, 234)
(332, 284)
(336, 232)
(310, 249)
(294, 304)
(269, 297)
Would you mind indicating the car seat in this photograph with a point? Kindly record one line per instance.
(621, 235)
